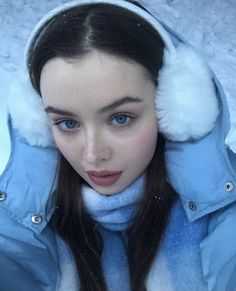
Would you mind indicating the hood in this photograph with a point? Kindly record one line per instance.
(191, 110)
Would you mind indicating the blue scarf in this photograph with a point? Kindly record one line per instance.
(113, 215)
(177, 265)
(114, 212)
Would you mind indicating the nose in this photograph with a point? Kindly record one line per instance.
(96, 148)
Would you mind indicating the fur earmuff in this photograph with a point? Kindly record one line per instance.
(27, 113)
(186, 102)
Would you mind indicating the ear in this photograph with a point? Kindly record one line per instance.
(186, 101)
(27, 113)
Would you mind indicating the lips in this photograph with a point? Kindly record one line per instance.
(104, 178)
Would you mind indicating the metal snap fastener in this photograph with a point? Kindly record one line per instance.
(36, 219)
(228, 186)
(192, 206)
(3, 196)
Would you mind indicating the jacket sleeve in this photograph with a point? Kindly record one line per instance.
(218, 250)
(15, 277)
(28, 260)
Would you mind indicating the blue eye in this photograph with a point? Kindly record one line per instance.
(67, 125)
(121, 120)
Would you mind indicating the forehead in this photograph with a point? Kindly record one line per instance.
(96, 76)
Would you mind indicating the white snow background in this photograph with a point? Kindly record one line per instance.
(210, 25)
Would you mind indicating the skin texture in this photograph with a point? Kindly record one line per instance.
(91, 135)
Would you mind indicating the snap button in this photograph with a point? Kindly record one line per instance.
(192, 206)
(3, 196)
(36, 219)
(228, 186)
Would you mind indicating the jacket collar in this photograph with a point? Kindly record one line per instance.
(27, 183)
(201, 172)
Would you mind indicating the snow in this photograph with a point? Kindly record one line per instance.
(210, 25)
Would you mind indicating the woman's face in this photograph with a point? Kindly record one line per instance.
(101, 108)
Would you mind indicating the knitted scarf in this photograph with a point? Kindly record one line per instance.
(177, 264)
(113, 213)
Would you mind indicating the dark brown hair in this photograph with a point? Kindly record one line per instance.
(117, 31)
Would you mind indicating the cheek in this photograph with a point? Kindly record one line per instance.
(147, 143)
(142, 146)
(66, 147)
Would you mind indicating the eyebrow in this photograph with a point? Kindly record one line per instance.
(122, 101)
(50, 109)
(107, 108)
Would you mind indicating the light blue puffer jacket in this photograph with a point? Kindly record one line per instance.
(202, 172)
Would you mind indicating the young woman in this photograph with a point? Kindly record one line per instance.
(144, 187)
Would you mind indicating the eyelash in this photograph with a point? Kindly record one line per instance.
(131, 118)
(59, 123)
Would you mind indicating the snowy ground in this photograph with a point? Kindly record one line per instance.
(210, 25)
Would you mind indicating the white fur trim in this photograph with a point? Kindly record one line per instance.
(186, 102)
(27, 112)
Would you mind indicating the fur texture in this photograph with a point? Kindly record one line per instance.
(186, 103)
(27, 113)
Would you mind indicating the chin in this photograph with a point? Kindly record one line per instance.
(108, 190)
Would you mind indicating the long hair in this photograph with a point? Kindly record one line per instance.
(116, 31)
